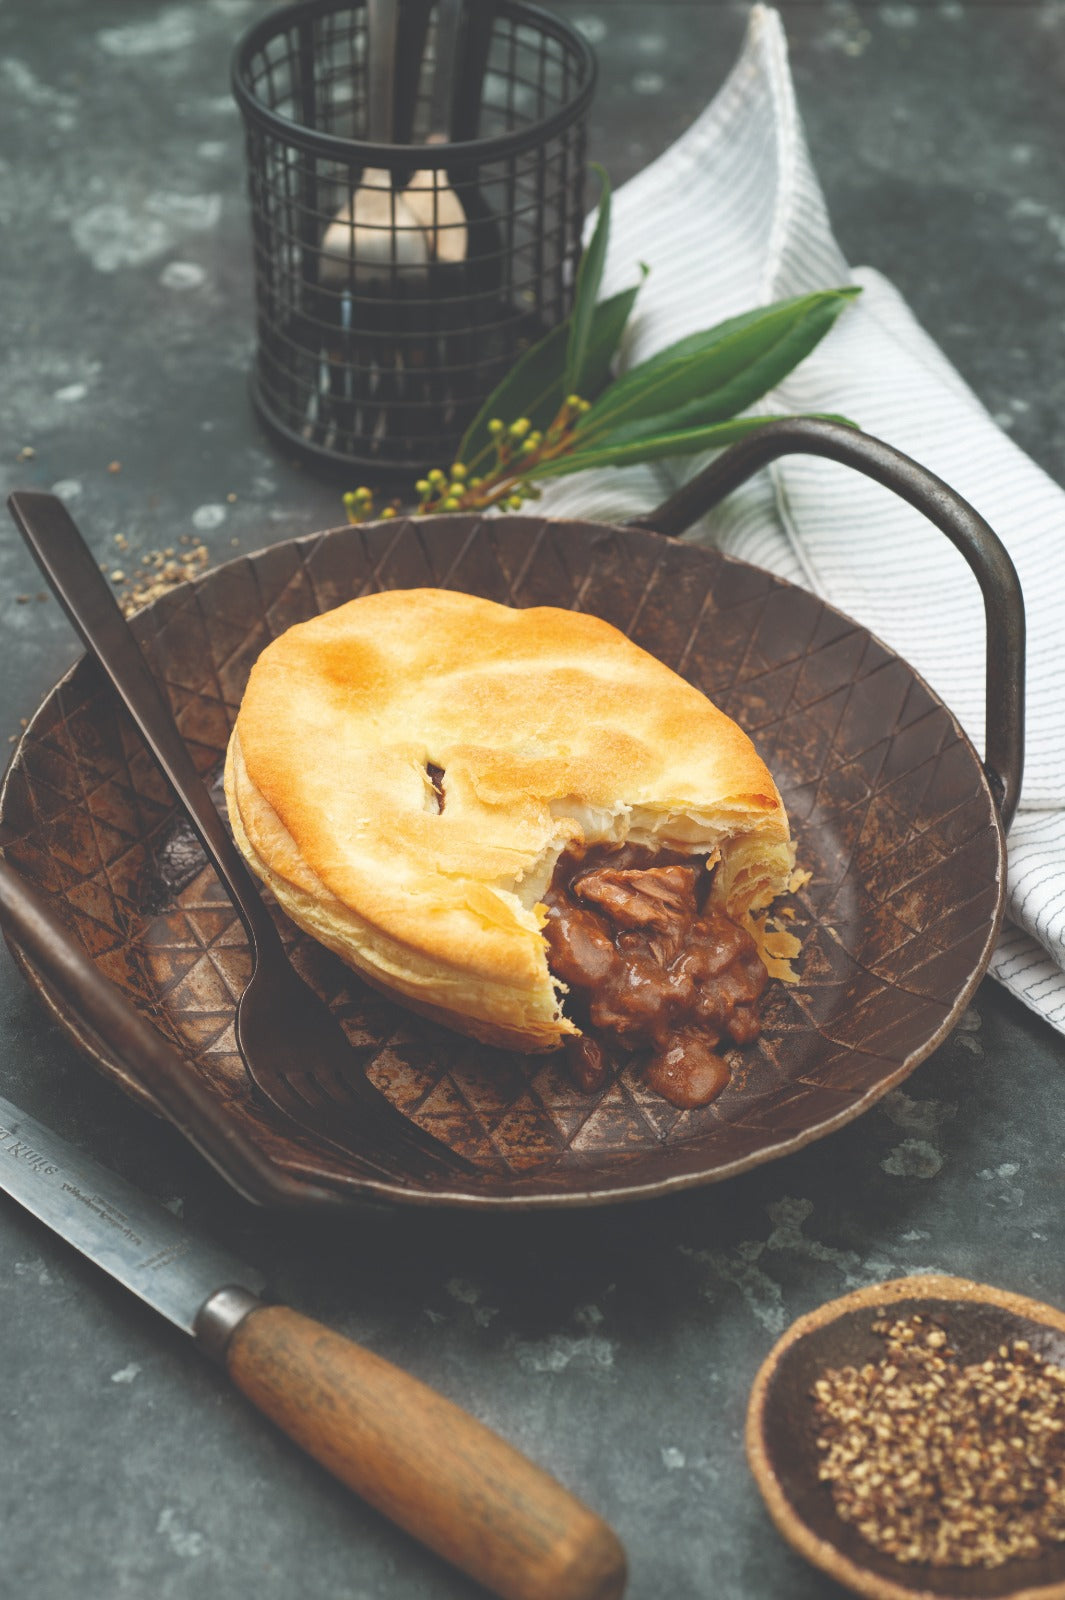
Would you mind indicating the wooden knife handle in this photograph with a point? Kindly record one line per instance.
(430, 1467)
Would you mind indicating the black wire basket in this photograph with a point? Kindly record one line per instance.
(397, 283)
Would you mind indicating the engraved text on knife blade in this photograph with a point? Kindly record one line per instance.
(134, 1238)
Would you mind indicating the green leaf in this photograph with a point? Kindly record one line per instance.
(526, 391)
(711, 376)
(694, 343)
(608, 324)
(689, 441)
(535, 385)
(589, 277)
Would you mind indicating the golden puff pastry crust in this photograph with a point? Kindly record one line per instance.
(543, 730)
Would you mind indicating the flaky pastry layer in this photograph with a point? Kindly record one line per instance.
(550, 729)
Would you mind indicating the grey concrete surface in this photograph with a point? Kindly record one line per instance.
(616, 1347)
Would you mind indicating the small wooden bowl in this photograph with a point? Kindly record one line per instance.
(781, 1432)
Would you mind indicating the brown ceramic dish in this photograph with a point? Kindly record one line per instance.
(781, 1432)
(895, 817)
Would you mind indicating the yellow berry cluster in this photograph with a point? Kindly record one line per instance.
(505, 482)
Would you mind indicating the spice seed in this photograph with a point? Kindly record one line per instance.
(158, 574)
(935, 1462)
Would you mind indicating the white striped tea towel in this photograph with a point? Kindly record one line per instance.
(731, 217)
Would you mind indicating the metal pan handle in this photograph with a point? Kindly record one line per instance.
(964, 527)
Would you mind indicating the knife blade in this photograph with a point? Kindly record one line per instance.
(415, 1456)
(136, 1240)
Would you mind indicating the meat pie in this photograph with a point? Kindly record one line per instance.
(521, 825)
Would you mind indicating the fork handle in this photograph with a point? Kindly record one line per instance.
(427, 1465)
(78, 584)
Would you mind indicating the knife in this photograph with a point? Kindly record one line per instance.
(415, 1456)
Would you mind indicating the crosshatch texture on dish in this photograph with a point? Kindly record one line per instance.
(889, 807)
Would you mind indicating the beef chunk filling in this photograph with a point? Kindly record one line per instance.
(651, 968)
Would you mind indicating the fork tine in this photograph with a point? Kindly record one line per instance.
(300, 1059)
(307, 1096)
(429, 1158)
(298, 1054)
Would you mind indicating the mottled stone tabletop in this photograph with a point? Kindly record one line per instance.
(617, 1346)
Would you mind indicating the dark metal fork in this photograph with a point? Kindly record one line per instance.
(295, 1051)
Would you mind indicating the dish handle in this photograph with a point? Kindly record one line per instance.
(982, 548)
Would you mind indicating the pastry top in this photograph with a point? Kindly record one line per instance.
(541, 728)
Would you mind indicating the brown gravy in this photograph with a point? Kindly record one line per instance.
(650, 967)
